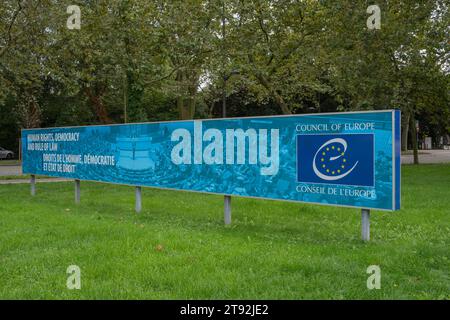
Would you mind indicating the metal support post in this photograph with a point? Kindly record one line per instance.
(227, 209)
(365, 224)
(33, 185)
(77, 191)
(138, 206)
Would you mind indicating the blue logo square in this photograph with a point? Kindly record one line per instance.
(345, 159)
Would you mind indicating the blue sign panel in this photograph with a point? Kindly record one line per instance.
(347, 159)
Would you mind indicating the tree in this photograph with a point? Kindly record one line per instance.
(186, 41)
(395, 66)
(25, 64)
(274, 46)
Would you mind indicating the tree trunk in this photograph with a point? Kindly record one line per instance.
(280, 101)
(182, 110)
(186, 107)
(265, 82)
(412, 126)
(191, 107)
(405, 120)
(125, 99)
(29, 110)
(97, 105)
(277, 97)
(187, 100)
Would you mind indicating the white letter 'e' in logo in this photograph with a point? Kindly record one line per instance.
(335, 177)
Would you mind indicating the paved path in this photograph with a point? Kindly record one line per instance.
(428, 156)
(10, 170)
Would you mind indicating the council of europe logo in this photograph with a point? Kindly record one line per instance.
(346, 159)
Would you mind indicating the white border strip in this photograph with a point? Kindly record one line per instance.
(394, 162)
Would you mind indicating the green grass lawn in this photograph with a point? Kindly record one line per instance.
(179, 248)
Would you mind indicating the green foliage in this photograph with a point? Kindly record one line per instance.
(9, 133)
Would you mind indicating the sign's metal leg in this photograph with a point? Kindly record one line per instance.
(138, 206)
(33, 184)
(227, 209)
(365, 224)
(77, 191)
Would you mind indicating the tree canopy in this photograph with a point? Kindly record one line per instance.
(158, 60)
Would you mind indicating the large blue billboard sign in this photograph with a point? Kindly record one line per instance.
(346, 159)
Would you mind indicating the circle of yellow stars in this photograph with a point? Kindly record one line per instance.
(324, 153)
